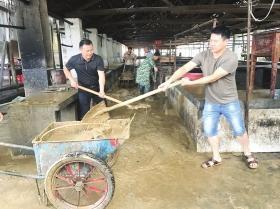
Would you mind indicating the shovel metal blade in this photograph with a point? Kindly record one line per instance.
(91, 116)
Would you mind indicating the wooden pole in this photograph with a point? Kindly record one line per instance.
(3, 55)
(96, 93)
(135, 99)
(248, 66)
(175, 58)
(59, 46)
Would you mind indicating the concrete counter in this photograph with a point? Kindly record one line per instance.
(263, 125)
(28, 118)
(112, 75)
(57, 100)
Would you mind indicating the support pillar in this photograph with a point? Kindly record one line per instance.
(114, 51)
(47, 40)
(117, 52)
(73, 36)
(93, 36)
(104, 50)
(34, 45)
(110, 50)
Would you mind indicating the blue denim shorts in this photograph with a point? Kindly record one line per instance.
(231, 111)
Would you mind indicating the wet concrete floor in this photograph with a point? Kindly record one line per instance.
(158, 168)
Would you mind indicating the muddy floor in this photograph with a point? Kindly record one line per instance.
(158, 168)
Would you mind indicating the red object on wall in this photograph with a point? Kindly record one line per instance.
(157, 43)
(193, 76)
(20, 79)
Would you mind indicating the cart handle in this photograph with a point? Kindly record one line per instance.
(16, 146)
(29, 176)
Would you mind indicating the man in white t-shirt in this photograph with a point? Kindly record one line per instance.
(129, 59)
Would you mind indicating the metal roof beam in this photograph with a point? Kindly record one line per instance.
(193, 9)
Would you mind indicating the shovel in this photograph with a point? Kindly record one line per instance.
(135, 99)
(106, 97)
(99, 107)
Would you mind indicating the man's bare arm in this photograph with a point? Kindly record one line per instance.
(101, 81)
(219, 73)
(70, 77)
(178, 74)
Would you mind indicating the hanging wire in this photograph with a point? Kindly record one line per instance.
(260, 20)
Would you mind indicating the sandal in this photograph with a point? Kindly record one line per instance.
(251, 161)
(210, 163)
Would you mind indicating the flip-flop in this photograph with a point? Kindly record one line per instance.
(210, 163)
(251, 161)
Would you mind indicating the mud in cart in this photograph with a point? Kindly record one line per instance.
(73, 159)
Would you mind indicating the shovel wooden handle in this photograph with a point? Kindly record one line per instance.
(135, 99)
(97, 93)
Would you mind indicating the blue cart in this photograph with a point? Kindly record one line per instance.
(73, 158)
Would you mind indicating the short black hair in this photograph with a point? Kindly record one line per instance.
(85, 42)
(221, 30)
(130, 47)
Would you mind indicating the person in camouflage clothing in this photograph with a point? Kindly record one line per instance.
(143, 73)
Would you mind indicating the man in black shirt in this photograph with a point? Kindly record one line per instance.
(90, 73)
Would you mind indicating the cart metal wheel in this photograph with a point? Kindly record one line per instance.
(79, 181)
(112, 158)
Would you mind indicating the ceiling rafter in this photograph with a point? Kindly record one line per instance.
(194, 9)
(165, 22)
(146, 20)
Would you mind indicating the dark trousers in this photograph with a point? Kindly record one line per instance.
(143, 89)
(129, 68)
(85, 99)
